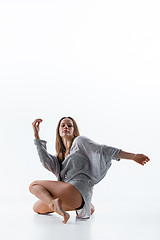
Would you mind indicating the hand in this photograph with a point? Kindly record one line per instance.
(141, 159)
(35, 126)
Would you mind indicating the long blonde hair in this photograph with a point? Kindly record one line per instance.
(60, 148)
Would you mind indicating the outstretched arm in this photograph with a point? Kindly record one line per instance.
(139, 158)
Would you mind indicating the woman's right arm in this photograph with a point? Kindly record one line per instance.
(49, 161)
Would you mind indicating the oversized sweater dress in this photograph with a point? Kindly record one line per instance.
(84, 166)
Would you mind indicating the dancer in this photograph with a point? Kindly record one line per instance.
(79, 164)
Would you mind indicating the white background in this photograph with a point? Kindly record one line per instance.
(96, 61)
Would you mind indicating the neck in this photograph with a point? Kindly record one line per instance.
(67, 143)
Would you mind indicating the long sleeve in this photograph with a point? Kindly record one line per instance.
(91, 148)
(99, 156)
(110, 152)
(49, 161)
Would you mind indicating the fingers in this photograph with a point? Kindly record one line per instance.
(145, 160)
(37, 120)
(142, 159)
(35, 125)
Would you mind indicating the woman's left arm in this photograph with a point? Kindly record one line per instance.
(139, 158)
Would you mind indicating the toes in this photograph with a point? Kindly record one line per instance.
(66, 217)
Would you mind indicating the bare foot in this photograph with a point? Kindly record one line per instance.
(92, 209)
(56, 205)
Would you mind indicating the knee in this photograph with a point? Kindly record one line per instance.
(36, 208)
(40, 207)
(32, 184)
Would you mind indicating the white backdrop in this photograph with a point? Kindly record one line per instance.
(96, 61)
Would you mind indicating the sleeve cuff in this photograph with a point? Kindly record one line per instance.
(116, 155)
(40, 142)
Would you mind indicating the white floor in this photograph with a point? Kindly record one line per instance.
(111, 221)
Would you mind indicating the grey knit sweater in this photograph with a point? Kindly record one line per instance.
(84, 166)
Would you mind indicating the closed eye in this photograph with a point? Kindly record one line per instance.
(68, 125)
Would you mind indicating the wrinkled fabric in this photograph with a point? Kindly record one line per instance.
(85, 165)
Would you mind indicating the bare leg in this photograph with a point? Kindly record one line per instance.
(54, 204)
(57, 196)
(41, 193)
(42, 208)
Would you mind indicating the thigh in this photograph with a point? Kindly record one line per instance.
(70, 196)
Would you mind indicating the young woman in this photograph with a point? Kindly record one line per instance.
(78, 165)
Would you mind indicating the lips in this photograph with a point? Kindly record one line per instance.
(65, 131)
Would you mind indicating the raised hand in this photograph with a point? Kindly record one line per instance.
(141, 159)
(35, 126)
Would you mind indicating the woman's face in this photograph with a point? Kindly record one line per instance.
(66, 128)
